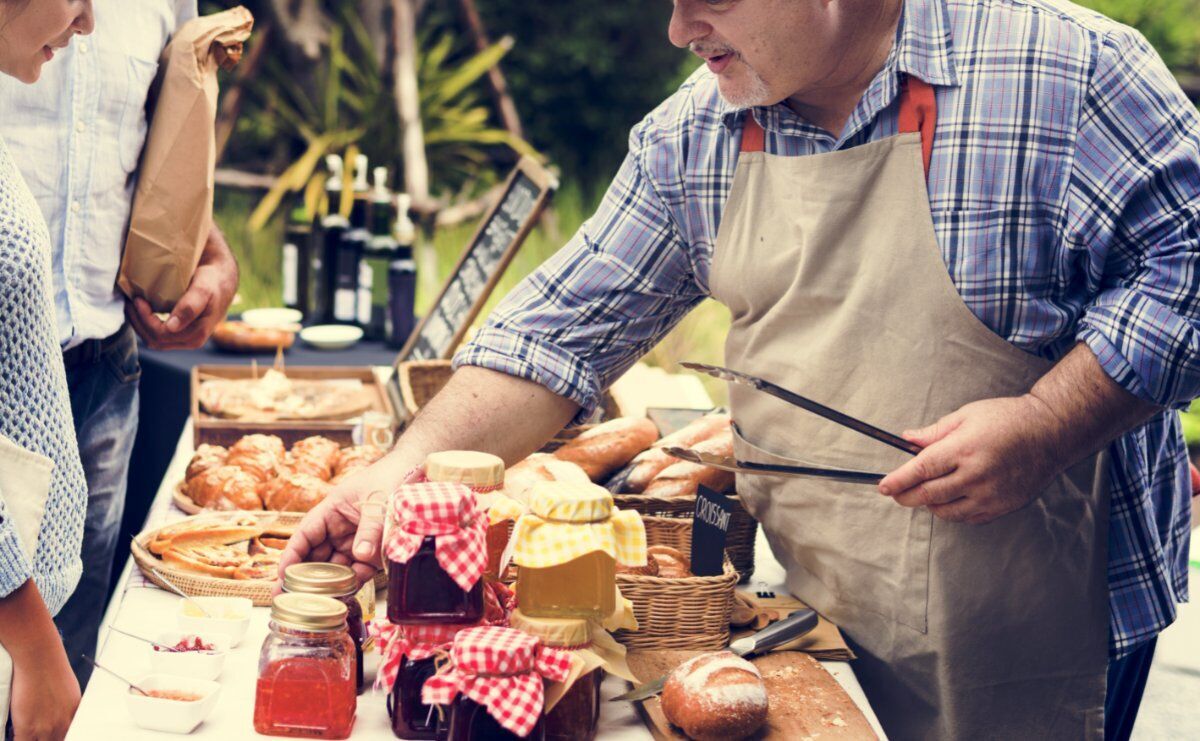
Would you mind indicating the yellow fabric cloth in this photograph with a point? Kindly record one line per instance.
(504, 508)
(569, 520)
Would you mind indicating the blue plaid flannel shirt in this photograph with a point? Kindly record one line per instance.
(1064, 185)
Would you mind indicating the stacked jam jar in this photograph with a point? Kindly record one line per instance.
(566, 549)
(435, 553)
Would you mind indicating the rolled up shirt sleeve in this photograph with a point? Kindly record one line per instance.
(1133, 209)
(604, 300)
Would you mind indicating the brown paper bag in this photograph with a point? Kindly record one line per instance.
(172, 207)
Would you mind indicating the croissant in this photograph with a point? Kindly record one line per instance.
(206, 457)
(225, 487)
(294, 492)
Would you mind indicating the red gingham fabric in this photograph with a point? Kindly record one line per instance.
(448, 512)
(498, 603)
(416, 642)
(501, 669)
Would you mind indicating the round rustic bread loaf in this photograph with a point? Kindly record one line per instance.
(716, 696)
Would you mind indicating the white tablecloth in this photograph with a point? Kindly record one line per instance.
(142, 609)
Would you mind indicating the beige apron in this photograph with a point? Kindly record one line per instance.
(838, 290)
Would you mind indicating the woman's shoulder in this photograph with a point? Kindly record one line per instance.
(21, 222)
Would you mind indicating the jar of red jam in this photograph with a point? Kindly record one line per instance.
(306, 686)
(435, 550)
(495, 686)
(339, 582)
(409, 656)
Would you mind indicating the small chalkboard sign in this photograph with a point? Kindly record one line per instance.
(710, 525)
(496, 241)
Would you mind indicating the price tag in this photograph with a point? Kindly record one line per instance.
(710, 524)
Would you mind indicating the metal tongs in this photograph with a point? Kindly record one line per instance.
(728, 463)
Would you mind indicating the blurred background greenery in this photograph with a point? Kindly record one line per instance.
(580, 75)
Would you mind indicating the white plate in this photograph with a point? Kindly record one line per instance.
(271, 318)
(331, 336)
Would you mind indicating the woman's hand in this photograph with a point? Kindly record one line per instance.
(45, 695)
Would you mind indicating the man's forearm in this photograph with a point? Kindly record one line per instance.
(1088, 408)
(483, 410)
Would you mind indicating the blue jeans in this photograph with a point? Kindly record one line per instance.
(104, 399)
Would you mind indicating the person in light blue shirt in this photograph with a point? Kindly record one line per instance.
(77, 136)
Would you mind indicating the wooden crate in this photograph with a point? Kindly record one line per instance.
(218, 431)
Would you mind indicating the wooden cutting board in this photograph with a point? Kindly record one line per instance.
(805, 700)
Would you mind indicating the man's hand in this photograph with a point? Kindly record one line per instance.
(347, 526)
(201, 307)
(987, 459)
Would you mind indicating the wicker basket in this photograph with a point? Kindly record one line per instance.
(739, 542)
(421, 380)
(691, 613)
(200, 585)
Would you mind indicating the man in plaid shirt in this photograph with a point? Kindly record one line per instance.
(1061, 182)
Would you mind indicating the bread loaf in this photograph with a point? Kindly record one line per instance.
(234, 336)
(668, 562)
(521, 477)
(650, 463)
(684, 478)
(716, 696)
(609, 446)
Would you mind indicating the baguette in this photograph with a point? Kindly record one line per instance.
(214, 536)
(210, 560)
(609, 446)
(683, 479)
(234, 336)
(650, 463)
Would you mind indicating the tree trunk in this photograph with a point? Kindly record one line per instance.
(408, 107)
(496, 81)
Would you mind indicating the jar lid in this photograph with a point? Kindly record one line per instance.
(476, 470)
(320, 578)
(556, 632)
(308, 612)
(570, 501)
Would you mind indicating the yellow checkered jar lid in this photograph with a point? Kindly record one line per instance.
(570, 520)
(570, 501)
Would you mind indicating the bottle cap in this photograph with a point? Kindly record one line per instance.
(310, 612)
(333, 163)
(330, 579)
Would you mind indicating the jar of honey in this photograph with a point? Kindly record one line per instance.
(306, 685)
(409, 655)
(435, 551)
(483, 473)
(339, 582)
(573, 707)
(495, 684)
(567, 548)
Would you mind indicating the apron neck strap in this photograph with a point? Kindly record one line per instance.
(918, 113)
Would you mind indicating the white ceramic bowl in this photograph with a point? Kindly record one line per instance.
(231, 617)
(331, 336)
(272, 318)
(197, 664)
(173, 716)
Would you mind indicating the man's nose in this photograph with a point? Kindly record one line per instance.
(685, 27)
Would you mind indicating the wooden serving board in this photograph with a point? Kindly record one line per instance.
(805, 700)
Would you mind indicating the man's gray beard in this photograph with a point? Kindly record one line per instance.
(756, 93)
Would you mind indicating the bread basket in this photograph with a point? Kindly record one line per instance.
(259, 591)
(690, 613)
(739, 540)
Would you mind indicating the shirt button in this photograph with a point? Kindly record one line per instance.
(83, 47)
(81, 127)
(75, 207)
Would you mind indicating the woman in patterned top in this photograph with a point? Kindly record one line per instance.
(42, 489)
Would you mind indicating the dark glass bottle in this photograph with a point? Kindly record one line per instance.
(350, 251)
(412, 718)
(401, 278)
(297, 262)
(420, 592)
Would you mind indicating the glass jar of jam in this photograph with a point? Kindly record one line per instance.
(567, 549)
(495, 686)
(573, 711)
(339, 582)
(483, 473)
(306, 683)
(435, 550)
(413, 650)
